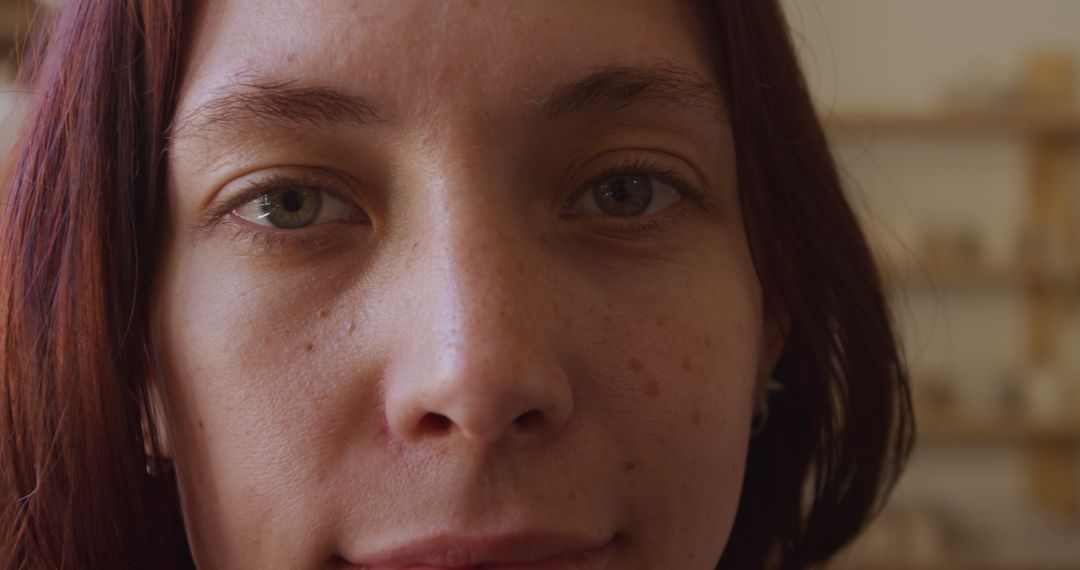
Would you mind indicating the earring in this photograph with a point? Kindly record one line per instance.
(761, 406)
(156, 466)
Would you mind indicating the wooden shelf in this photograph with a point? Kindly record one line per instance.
(1005, 430)
(931, 275)
(1036, 123)
(950, 276)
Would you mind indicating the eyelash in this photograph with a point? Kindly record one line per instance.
(633, 227)
(268, 238)
(653, 224)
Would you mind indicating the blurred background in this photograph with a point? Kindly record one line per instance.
(956, 126)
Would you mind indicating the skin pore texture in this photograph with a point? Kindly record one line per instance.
(462, 346)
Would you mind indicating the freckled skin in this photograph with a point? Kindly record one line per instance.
(471, 361)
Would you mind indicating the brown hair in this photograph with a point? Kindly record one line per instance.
(77, 261)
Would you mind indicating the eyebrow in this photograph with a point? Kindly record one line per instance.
(617, 88)
(287, 104)
(284, 104)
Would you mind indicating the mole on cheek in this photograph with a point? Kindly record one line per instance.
(310, 347)
(686, 365)
(695, 418)
(629, 466)
(660, 322)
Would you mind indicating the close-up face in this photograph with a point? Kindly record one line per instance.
(456, 284)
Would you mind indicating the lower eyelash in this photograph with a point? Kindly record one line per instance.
(269, 240)
(653, 225)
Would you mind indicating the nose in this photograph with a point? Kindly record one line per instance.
(475, 366)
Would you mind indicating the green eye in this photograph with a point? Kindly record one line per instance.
(294, 207)
(624, 196)
(289, 208)
(628, 195)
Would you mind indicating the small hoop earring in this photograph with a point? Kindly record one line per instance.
(156, 466)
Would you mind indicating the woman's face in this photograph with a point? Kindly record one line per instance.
(456, 285)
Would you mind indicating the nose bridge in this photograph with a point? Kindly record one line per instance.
(481, 264)
(481, 368)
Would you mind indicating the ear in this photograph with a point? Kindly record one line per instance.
(154, 422)
(777, 325)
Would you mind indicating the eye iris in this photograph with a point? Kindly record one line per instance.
(625, 196)
(291, 208)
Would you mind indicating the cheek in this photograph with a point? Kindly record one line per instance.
(253, 376)
(678, 389)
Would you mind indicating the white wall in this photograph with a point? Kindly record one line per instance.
(902, 53)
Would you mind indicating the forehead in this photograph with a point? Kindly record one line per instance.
(416, 58)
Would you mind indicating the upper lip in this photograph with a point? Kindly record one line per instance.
(454, 551)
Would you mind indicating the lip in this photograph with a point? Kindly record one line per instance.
(532, 550)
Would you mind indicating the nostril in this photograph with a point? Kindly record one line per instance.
(529, 420)
(435, 423)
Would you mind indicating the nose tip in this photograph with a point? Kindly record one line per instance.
(482, 399)
(531, 422)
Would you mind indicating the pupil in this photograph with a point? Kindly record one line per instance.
(292, 201)
(619, 192)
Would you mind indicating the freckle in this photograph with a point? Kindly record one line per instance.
(200, 424)
(555, 308)
(661, 440)
(607, 319)
(651, 387)
(521, 267)
(636, 365)
(708, 341)
(660, 322)
(696, 418)
(415, 245)
(324, 313)
(686, 365)
(310, 347)
(569, 322)
(629, 466)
